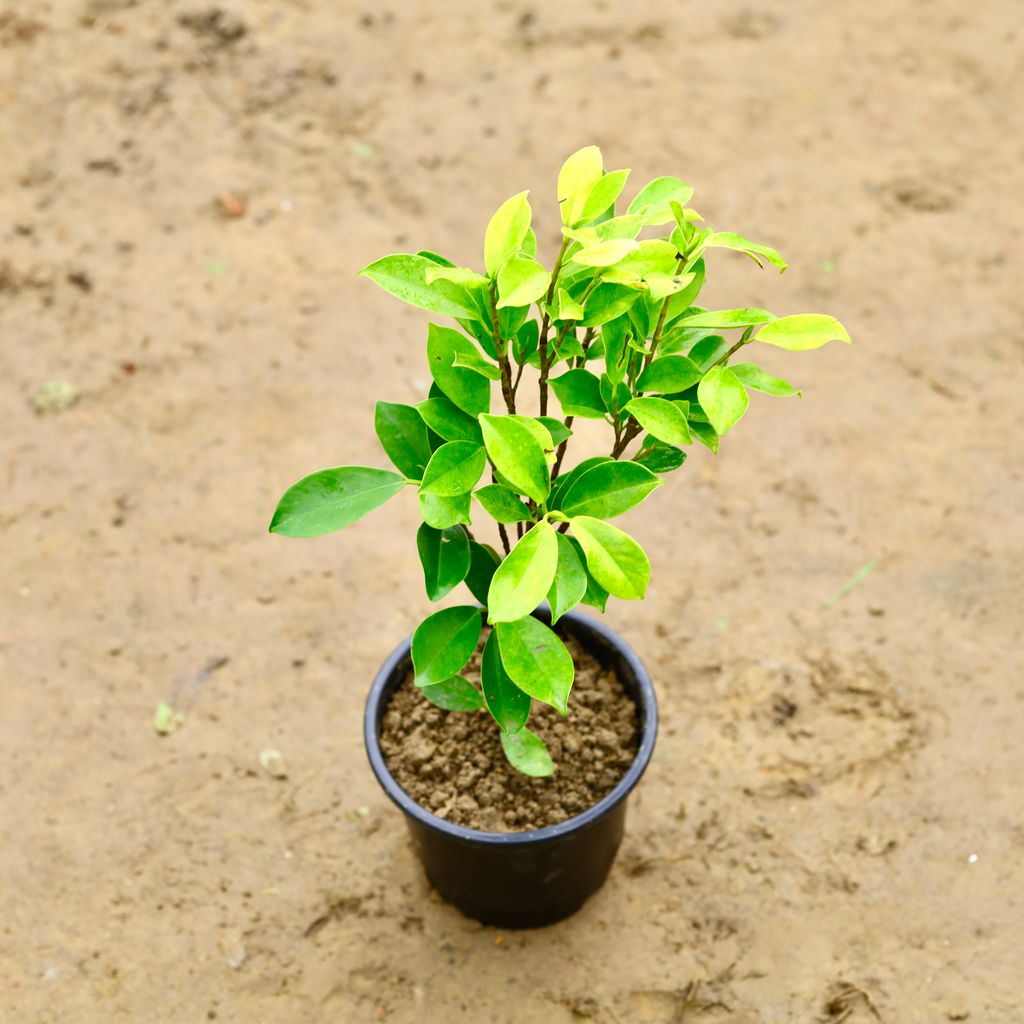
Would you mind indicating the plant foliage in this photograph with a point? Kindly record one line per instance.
(611, 331)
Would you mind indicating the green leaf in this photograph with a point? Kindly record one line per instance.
(727, 318)
(570, 582)
(614, 396)
(606, 490)
(441, 261)
(662, 418)
(474, 360)
(669, 375)
(604, 253)
(483, 561)
(444, 555)
(607, 301)
(444, 642)
(454, 469)
(708, 351)
(653, 256)
(526, 753)
(568, 307)
(404, 276)
(502, 505)
(614, 559)
(559, 485)
(448, 421)
(524, 577)
(506, 231)
(537, 661)
(525, 342)
(602, 195)
(467, 389)
(403, 435)
(575, 180)
(579, 394)
(458, 275)
(596, 596)
(658, 456)
(722, 397)
(705, 433)
(517, 454)
(730, 240)
(521, 280)
(752, 376)
(652, 201)
(455, 694)
(681, 301)
(508, 705)
(556, 428)
(331, 499)
(803, 331)
(442, 512)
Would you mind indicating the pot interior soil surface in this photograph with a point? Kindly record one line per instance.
(452, 763)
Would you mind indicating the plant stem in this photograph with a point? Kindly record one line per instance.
(656, 336)
(504, 538)
(542, 344)
(728, 355)
(507, 391)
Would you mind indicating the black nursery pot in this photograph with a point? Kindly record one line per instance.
(522, 879)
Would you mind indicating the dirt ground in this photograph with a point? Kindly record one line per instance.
(831, 829)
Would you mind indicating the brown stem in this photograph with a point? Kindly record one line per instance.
(728, 355)
(507, 391)
(561, 451)
(504, 538)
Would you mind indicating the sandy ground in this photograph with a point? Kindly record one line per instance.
(831, 829)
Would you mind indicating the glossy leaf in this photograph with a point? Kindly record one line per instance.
(579, 394)
(524, 577)
(652, 256)
(706, 352)
(472, 359)
(607, 489)
(722, 397)
(526, 753)
(331, 499)
(502, 505)
(602, 195)
(570, 582)
(455, 694)
(705, 433)
(509, 706)
(803, 331)
(444, 555)
(442, 512)
(525, 342)
(403, 435)
(752, 376)
(614, 559)
(596, 596)
(568, 307)
(577, 177)
(448, 421)
(659, 457)
(730, 240)
(608, 301)
(669, 375)
(506, 231)
(556, 428)
(468, 390)
(444, 642)
(483, 561)
(604, 253)
(517, 454)
(559, 486)
(537, 661)
(652, 201)
(521, 280)
(404, 276)
(454, 469)
(727, 318)
(662, 418)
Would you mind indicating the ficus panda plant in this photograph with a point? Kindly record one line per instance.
(610, 331)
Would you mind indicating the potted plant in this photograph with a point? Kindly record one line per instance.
(610, 332)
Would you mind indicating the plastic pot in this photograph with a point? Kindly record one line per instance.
(531, 878)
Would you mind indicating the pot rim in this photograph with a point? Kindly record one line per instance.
(647, 714)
